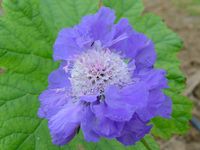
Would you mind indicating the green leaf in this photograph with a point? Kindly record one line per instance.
(130, 9)
(27, 33)
(147, 143)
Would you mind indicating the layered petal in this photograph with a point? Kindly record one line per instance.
(123, 26)
(72, 41)
(116, 114)
(66, 47)
(88, 123)
(135, 46)
(104, 126)
(99, 26)
(154, 78)
(51, 101)
(165, 109)
(134, 95)
(89, 98)
(59, 79)
(108, 128)
(158, 105)
(121, 104)
(133, 131)
(64, 124)
(146, 56)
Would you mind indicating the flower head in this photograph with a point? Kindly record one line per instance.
(106, 83)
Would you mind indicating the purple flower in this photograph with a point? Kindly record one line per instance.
(106, 84)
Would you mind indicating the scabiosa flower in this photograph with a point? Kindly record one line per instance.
(106, 83)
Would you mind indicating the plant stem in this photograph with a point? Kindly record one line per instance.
(100, 3)
(145, 144)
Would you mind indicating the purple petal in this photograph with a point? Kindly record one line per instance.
(134, 95)
(64, 124)
(108, 128)
(99, 25)
(115, 114)
(154, 78)
(158, 105)
(134, 130)
(59, 79)
(66, 46)
(137, 46)
(89, 98)
(123, 26)
(165, 109)
(146, 55)
(123, 31)
(51, 101)
(87, 125)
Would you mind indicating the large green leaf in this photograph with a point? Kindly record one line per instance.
(27, 32)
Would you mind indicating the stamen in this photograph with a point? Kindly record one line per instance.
(96, 69)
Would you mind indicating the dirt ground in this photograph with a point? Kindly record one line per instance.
(183, 16)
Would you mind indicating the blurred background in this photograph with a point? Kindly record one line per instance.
(182, 16)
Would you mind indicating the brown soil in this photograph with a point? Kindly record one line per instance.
(188, 28)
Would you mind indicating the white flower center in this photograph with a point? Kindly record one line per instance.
(97, 68)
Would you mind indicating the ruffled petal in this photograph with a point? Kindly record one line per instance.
(64, 124)
(154, 78)
(146, 55)
(123, 26)
(158, 105)
(165, 109)
(88, 123)
(116, 114)
(103, 126)
(108, 128)
(121, 104)
(72, 41)
(51, 101)
(99, 26)
(89, 98)
(133, 131)
(135, 46)
(65, 46)
(59, 79)
(135, 95)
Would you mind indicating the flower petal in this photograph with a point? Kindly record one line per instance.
(135, 95)
(158, 105)
(87, 125)
(136, 46)
(154, 78)
(108, 128)
(51, 101)
(134, 130)
(99, 25)
(146, 55)
(89, 98)
(165, 109)
(116, 114)
(64, 124)
(66, 45)
(59, 79)
(123, 26)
